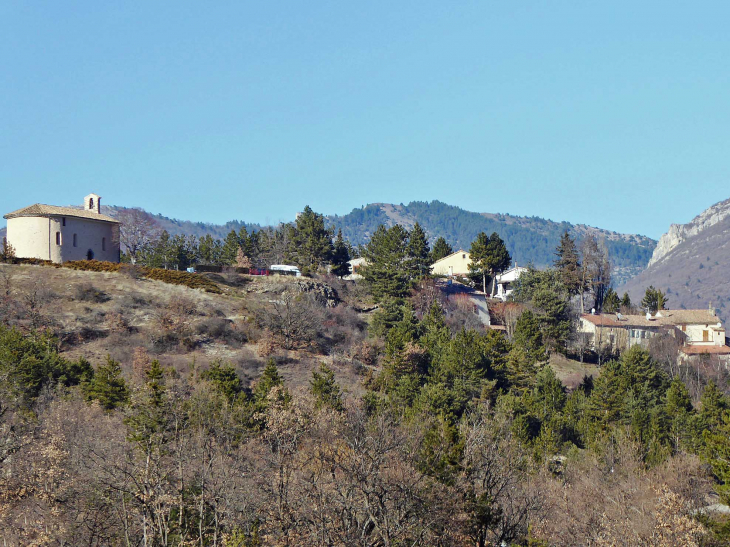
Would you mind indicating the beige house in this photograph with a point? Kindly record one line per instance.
(699, 331)
(455, 264)
(59, 234)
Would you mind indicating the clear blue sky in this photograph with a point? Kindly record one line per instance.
(615, 114)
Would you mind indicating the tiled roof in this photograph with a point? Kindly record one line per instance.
(668, 318)
(40, 210)
(713, 350)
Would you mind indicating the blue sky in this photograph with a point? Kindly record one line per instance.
(614, 114)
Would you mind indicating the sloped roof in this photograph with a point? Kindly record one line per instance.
(460, 251)
(40, 210)
(668, 318)
(698, 350)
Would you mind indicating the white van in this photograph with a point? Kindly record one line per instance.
(283, 269)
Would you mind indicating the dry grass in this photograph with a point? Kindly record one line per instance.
(571, 372)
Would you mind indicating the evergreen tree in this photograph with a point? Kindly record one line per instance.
(225, 380)
(568, 264)
(626, 301)
(611, 303)
(108, 386)
(654, 300)
(270, 378)
(528, 335)
(325, 390)
(340, 257)
(310, 241)
(417, 252)
(230, 248)
(489, 257)
(385, 273)
(440, 249)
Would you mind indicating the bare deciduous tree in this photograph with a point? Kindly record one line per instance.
(138, 230)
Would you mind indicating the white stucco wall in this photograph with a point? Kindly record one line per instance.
(696, 337)
(454, 264)
(35, 237)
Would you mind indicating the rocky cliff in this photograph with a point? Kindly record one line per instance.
(678, 233)
(691, 264)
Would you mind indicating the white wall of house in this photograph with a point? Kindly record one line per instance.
(704, 335)
(455, 264)
(61, 239)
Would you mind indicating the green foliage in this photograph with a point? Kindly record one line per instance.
(417, 252)
(385, 273)
(325, 389)
(29, 363)
(654, 300)
(440, 250)
(310, 241)
(611, 302)
(225, 380)
(108, 386)
(230, 247)
(626, 300)
(340, 257)
(529, 239)
(489, 256)
(567, 262)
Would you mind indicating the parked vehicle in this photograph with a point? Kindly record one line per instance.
(283, 269)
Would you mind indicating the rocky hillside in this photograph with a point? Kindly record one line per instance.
(529, 239)
(692, 263)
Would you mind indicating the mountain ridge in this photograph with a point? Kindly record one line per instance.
(693, 263)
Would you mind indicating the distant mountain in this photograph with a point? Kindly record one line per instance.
(691, 263)
(529, 239)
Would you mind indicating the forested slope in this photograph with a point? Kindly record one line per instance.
(529, 239)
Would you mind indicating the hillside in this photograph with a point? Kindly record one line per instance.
(529, 239)
(691, 263)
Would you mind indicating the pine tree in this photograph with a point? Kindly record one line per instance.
(325, 390)
(611, 303)
(626, 301)
(230, 248)
(568, 264)
(108, 386)
(440, 250)
(225, 380)
(385, 273)
(654, 300)
(417, 252)
(310, 242)
(489, 257)
(340, 257)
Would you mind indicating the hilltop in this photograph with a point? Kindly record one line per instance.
(691, 263)
(529, 239)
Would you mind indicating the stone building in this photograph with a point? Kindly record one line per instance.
(59, 234)
(698, 331)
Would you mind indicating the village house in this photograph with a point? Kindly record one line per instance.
(698, 331)
(455, 264)
(60, 234)
(506, 280)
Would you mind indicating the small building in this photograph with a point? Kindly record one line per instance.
(698, 331)
(455, 264)
(60, 234)
(355, 265)
(505, 282)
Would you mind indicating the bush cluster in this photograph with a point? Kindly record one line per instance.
(173, 277)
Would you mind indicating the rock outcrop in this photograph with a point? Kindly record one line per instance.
(678, 233)
(691, 264)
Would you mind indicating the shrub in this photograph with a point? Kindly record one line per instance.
(92, 266)
(86, 292)
(190, 280)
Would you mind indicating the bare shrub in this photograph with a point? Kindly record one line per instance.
(86, 292)
(115, 322)
(294, 319)
(222, 330)
(37, 299)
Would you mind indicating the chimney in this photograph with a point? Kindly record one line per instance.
(92, 202)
